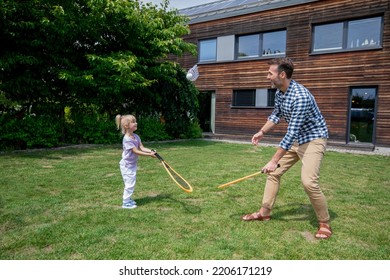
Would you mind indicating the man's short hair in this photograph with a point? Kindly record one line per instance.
(284, 64)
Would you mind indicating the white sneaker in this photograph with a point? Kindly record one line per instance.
(133, 202)
(129, 205)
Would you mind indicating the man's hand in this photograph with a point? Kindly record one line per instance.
(270, 167)
(257, 137)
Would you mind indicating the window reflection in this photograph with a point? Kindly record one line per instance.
(208, 50)
(248, 46)
(274, 43)
(328, 37)
(364, 33)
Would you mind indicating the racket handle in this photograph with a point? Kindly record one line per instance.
(157, 155)
(239, 180)
(243, 178)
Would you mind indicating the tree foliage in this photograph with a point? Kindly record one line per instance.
(112, 54)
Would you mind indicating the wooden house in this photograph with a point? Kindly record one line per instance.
(341, 52)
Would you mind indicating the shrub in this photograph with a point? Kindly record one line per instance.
(29, 132)
(152, 129)
(89, 127)
(194, 131)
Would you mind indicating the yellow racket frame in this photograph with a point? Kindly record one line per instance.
(169, 168)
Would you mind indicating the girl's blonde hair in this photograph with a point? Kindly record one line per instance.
(123, 122)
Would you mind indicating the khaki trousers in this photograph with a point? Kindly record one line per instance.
(310, 154)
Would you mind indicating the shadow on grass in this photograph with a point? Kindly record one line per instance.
(293, 212)
(188, 207)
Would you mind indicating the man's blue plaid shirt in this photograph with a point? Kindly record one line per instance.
(299, 108)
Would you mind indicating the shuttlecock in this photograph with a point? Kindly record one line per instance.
(189, 76)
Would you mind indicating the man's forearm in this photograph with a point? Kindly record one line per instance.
(267, 127)
(280, 152)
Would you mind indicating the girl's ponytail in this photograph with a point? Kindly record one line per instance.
(118, 119)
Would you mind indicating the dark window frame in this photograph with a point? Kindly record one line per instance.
(261, 52)
(350, 109)
(238, 103)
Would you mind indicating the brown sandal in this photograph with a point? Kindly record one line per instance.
(255, 217)
(324, 229)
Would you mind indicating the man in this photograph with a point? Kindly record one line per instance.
(305, 140)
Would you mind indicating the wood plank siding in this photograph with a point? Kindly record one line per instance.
(328, 76)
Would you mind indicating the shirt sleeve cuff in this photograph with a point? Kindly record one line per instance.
(274, 119)
(286, 143)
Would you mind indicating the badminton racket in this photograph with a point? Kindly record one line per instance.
(176, 177)
(242, 179)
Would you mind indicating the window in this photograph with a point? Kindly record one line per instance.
(347, 35)
(274, 43)
(256, 98)
(364, 33)
(248, 46)
(263, 44)
(328, 37)
(208, 50)
(231, 47)
(244, 98)
(362, 114)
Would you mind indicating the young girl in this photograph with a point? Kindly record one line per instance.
(132, 148)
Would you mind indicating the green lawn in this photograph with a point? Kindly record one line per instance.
(66, 204)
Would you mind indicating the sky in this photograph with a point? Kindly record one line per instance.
(181, 4)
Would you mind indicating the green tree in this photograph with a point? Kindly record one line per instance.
(112, 54)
